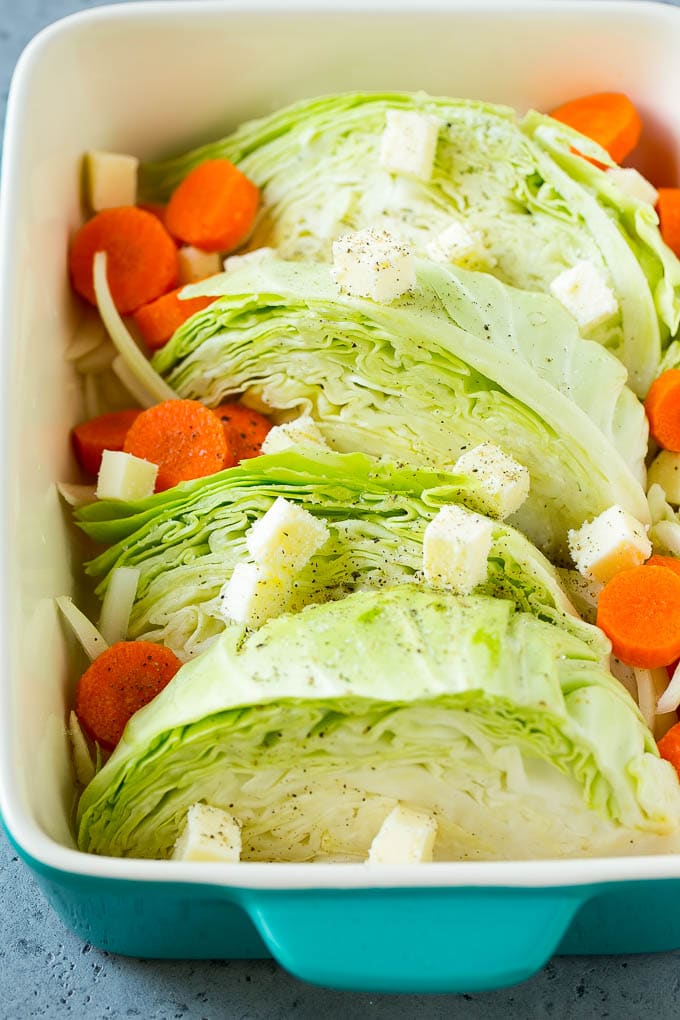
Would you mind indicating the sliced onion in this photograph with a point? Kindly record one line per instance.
(77, 495)
(652, 683)
(92, 642)
(670, 699)
(82, 759)
(96, 361)
(132, 383)
(647, 695)
(135, 361)
(117, 604)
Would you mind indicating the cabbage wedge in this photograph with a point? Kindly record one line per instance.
(463, 360)
(537, 206)
(309, 731)
(186, 541)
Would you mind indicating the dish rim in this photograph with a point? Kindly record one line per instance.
(46, 854)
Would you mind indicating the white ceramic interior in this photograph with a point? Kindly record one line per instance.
(155, 78)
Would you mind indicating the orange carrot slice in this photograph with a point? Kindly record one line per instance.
(672, 562)
(663, 409)
(609, 118)
(214, 207)
(244, 431)
(119, 682)
(669, 747)
(639, 611)
(141, 257)
(158, 320)
(107, 432)
(668, 208)
(183, 437)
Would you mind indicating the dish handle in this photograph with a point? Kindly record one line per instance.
(414, 939)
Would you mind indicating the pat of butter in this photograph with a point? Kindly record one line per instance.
(373, 264)
(285, 538)
(302, 430)
(405, 837)
(456, 547)
(252, 595)
(613, 541)
(210, 834)
(110, 180)
(503, 483)
(124, 476)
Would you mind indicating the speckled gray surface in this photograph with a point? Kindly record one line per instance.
(47, 972)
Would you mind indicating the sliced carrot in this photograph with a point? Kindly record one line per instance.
(141, 256)
(663, 409)
(156, 209)
(639, 611)
(183, 437)
(609, 118)
(119, 682)
(244, 431)
(672, 562)
(158, 320)
(214, 207)
(107, 432)
(668, 208)
(669, 746)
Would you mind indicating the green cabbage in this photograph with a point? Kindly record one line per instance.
(310, 730)
(538, 207)
(186, 541)
(462, 360)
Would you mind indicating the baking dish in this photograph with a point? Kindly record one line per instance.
(152, 78)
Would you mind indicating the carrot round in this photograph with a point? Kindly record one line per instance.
(107, 432)
(214, 207)
(158, 320)
(609, 118)
(639, 611)
(119, 682)
(669, 747)
(668, 208)
(141, 256)
(244, 431)
(663, 409)
(183, 437)
(672, 562)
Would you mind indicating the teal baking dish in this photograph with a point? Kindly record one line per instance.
(126, 78)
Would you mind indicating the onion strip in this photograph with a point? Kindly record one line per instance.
(135, 361)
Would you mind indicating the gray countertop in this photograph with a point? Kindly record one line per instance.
(47, 972)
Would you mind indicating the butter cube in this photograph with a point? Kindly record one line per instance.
(123, 476)
(252, 596)
(302, 430)
(210, 834)
(195, 265)
(372, 264)
(409, 143)
(284, 539)
(455, 244)
(405, 837)
(665, 471)
(632, 183)
(456, 547)
(584, 292)
(110, 180)
(503, 483)
(612, 542)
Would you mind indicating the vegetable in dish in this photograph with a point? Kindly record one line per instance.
(439, 317)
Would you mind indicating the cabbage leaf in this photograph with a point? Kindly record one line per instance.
(508, 730)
